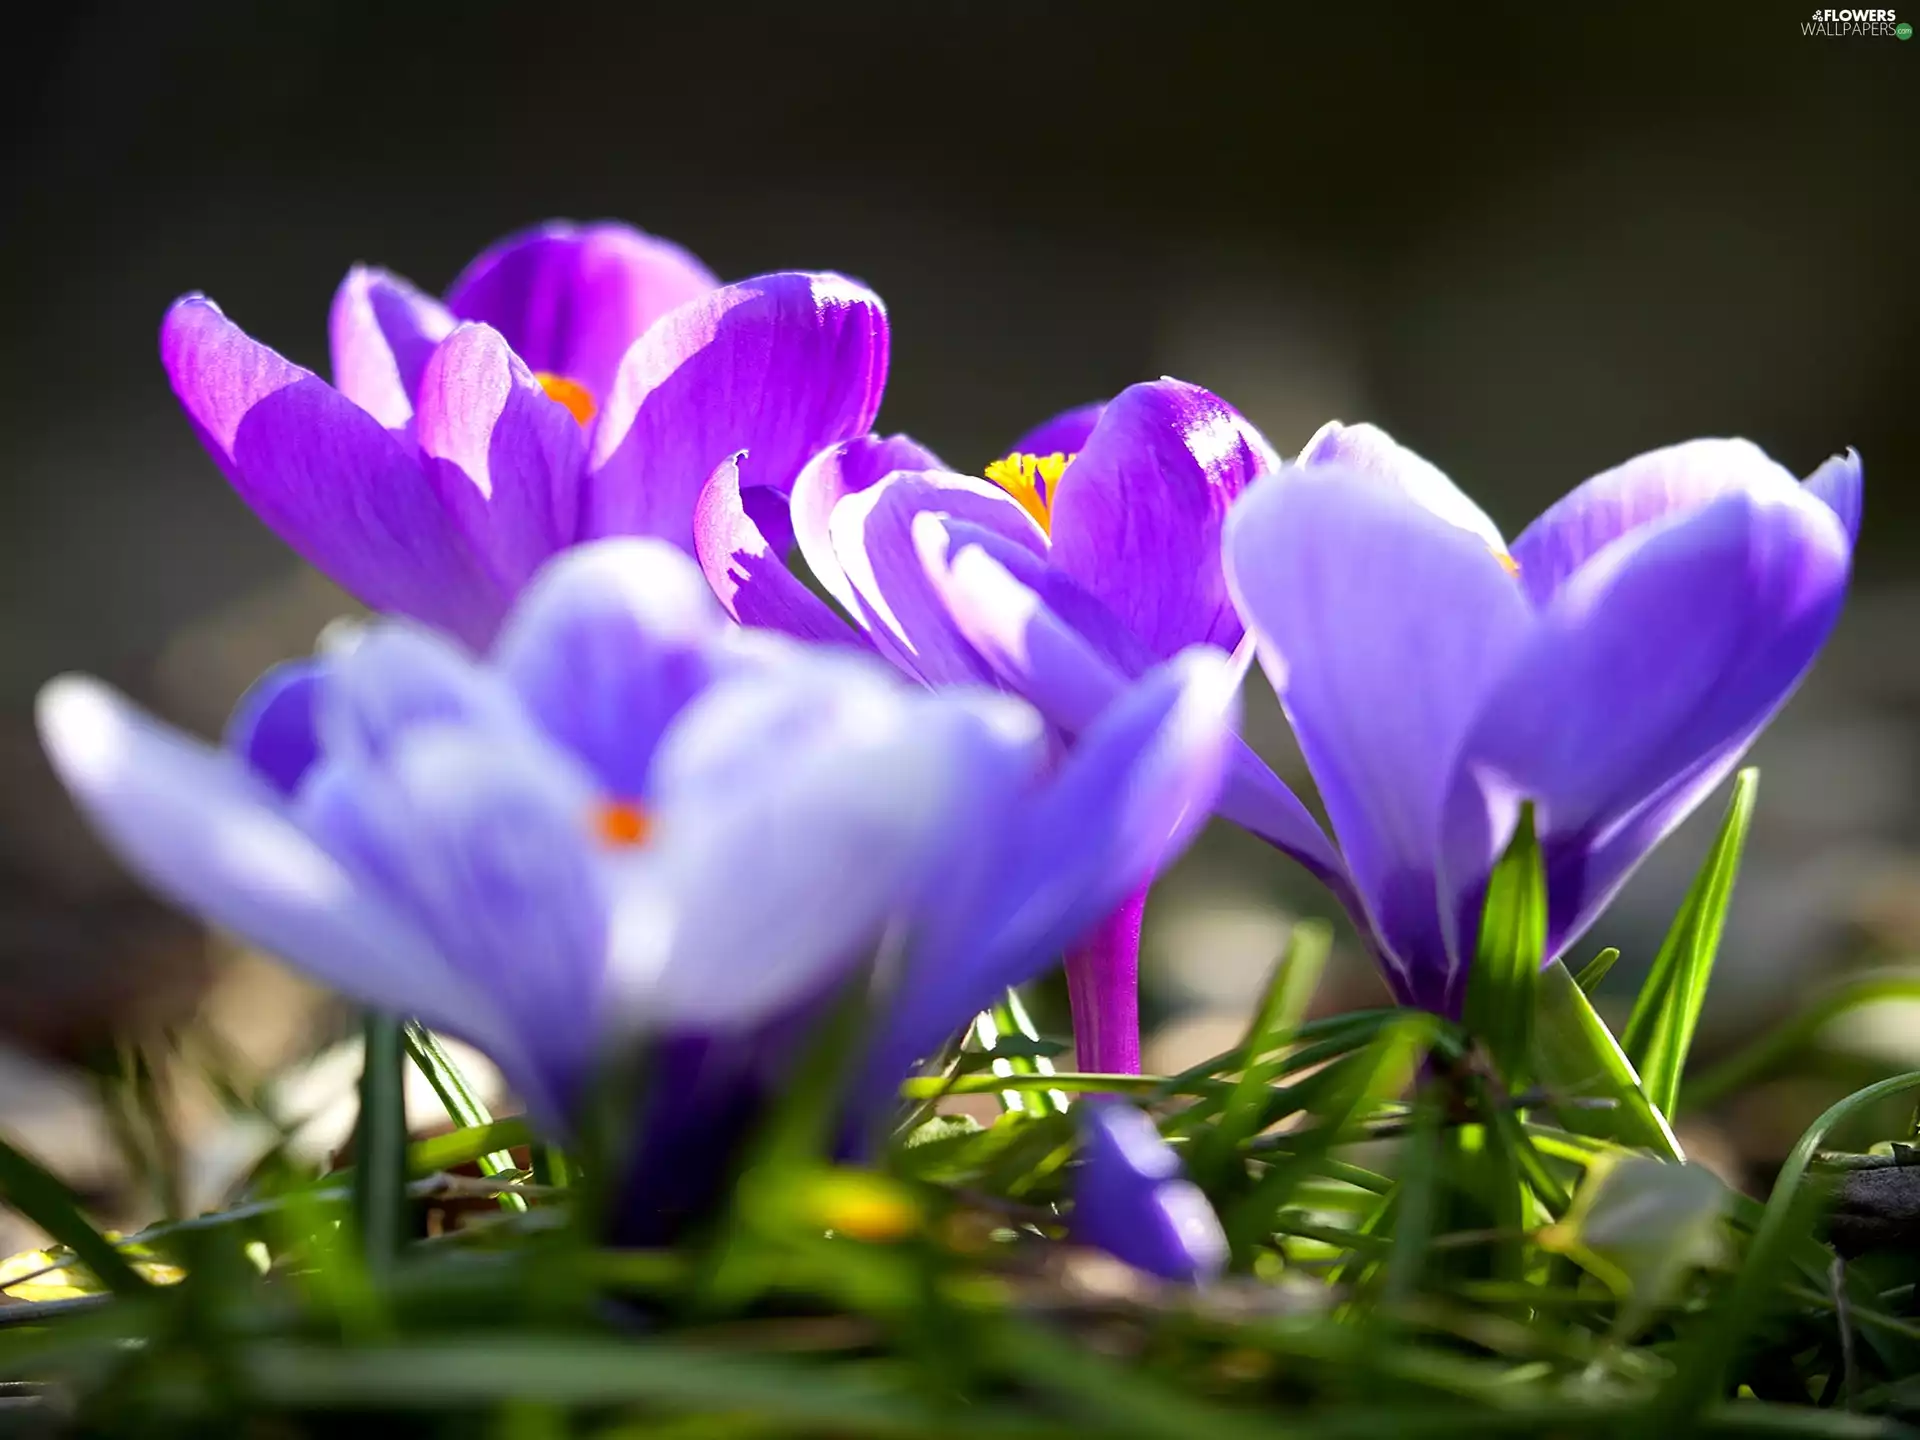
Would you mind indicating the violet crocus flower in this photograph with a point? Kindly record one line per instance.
(1131, 1199)
(1087, 556)
(577, 382)
(1611, 666)
(633, 820)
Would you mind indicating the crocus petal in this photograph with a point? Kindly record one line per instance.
(396, 677)
(749, 575)
(1016, 625)
(205, 832)
(325, 475)
(1131, 1200)
(1065, 434)
(756, 902)
(381, 331)
(832, 475)
(872, 534)
(274, 728)
(1633, 697)
(572, 299)
(488, 846)
(1382, 626)
(507, 460)
(604, 649)
(1840, 482)
(1138, 515)
(1369, 450)
(1647, 488)
(780, 367)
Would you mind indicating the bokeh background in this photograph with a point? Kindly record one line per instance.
(1530, 239)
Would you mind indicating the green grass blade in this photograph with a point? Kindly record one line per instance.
(463, 1106)
(1575, 1057)
(1595, 970)
(380, 1146)
(1659, 1033)
(42, 1197)
(1505, 977)
(1006, 1032)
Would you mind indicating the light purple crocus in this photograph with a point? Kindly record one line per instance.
(633, 820)
(577, 382)
(1131, 1199)
(1092, 554)
(1610, 666)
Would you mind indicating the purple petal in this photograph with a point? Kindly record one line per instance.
(1382, 626)
(382, 332)
(749, 575)
(1647, 488)
(1632, 699)
(488, 846)
(274, 728)
(572, 300)
(1065, 434)
(1370, 451)
(1840, 482)
(324, 475)
(205, 832)
(604, 649)
(833, 474)
(1138, 515)
(1131, 1200)
(396, 678)
(507, 460)
(780, 367)
(1073, 671)
(873, 538)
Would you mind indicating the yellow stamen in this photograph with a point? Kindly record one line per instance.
(1507, 562)
(570, 393)
(621, 824)
(1022, 477)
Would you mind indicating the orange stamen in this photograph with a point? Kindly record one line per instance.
(621, 824)
(570, 393)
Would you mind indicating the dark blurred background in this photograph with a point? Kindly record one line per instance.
(1530, 239)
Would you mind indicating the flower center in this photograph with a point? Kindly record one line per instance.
(1507, 562)
(1032, 480)
(621, 824)
(570, 393)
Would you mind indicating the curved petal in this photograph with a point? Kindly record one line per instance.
(1065, 434)
(1647, 675)
(397, 677)
(275, 727)
(381, 331)
(872, 534)
(604, 649)
(572, 299)
(780, 367)
(1369, 450)
(489, 847)
(507, 460)
(1072, 671)
(1131, 1200)
(1138, 515)
(749, 575)
(324, 475)
(1382, 627)
(1841, 481)
(1647, 488)
(832, 475)
(202, 830)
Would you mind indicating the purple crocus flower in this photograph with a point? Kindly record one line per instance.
(633, 820)
(576, 383)
(1131, 1199)
(1611, 666)
(1086, 557)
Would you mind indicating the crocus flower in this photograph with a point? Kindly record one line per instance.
(1131, 1199)
(1087, 556)
(631, 820)
(576, 383)
(1610, 666)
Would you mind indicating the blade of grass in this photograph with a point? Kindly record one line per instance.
(1505, 978)
(1576, 1058)
(1595, 970)
(1659, 1033)
(1001, 1029)
(1793, 1035)
(42, 1197)
(463, 1106)
(380, 1147)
